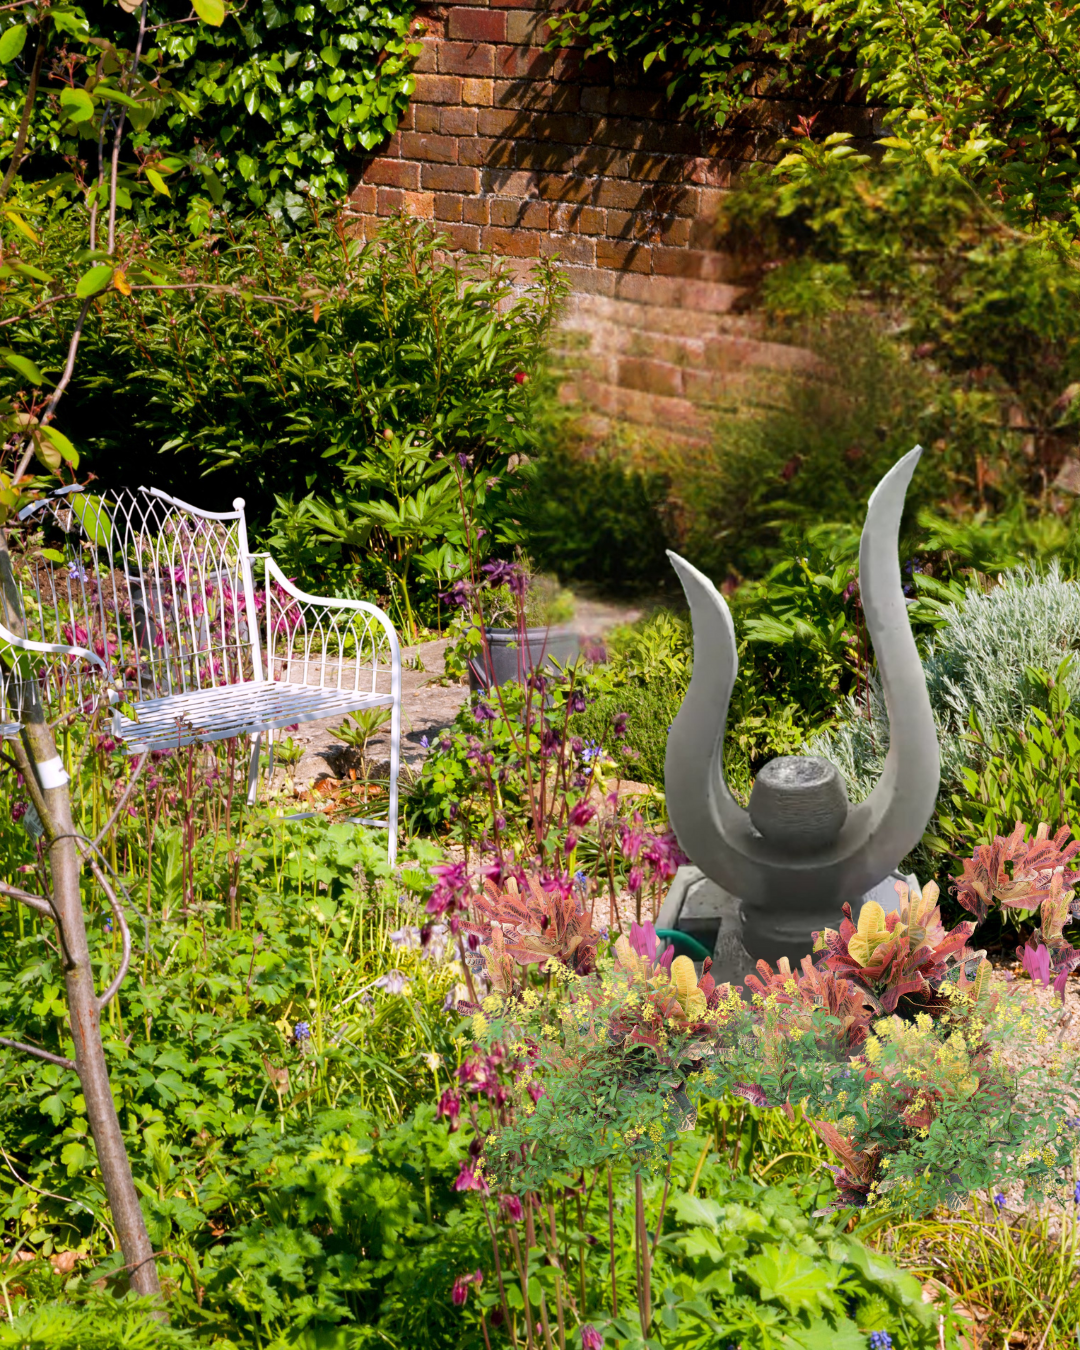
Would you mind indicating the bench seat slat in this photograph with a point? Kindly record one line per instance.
(234, 710)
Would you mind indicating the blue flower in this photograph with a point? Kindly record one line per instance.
(880, 1340)
(302, 1032)
(999, 1200)
(108, 924)
(1076, 1193)
(424, 742)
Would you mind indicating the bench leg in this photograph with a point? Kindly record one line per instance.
(253, 769)
(395, 761)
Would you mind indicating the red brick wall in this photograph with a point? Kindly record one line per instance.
(523, 152)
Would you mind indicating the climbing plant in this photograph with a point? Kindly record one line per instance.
(266, 104)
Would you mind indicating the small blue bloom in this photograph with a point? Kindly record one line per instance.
(424, 742)
(880, 1340)
(1076, 1193)
(75, 572)
(582, 879)
(999, 1200)
(302, 1032)
(108, 924)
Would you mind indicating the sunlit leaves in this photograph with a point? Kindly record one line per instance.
(12, 41)
(77, 103)
(23, 365)
(210, 11)
(94, 281)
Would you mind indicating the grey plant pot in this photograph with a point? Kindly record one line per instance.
(511, 659)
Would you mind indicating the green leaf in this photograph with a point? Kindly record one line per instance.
(788, 1276)
(52, 555)
(210, 11)
(157, 182)
(90, 283)
(28, 270)
(93, 517)
(77, 103)
(67, 451)
(23, 365)
(12, 42)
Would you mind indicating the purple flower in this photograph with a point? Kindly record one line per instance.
(459, 594)
(484, 713)
(581, 813)
(394, 982)
(469, 1181)
(424, 742)
(460, 1291)
(512, 1209)
(618, 725)
(302, 1032)
(449, 1109)
(591, 1338)
(999, 1200)
(576, 702)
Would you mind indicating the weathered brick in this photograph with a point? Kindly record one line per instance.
(475, 210)
(475, 59)
(622, 195)
(565, 187)
(440, 149)
(594, 99)
(427, 117)
(478, 92)
(527, 28)
(511, 243)
(407, 122)
(677, 262)
(364, 198)
(485, 153)
(569, 248)
(627, 134)
(498, 122)
(476, 25)
(522, 94)
(659, 168)
(457, 121)
(389, 200)
(447, 206)
(702, 233)
(463, 237)
(639, 102)
(674, 232)
(589, 220)
(513, 4)
(419, 204)
(603, 159)
(651, 377)
(624, 225)
(562, 127)
(393, 173)
(524, 63)
(449, 178)
(513, 211)
(437, 89)
(510, 183)
(544, 155)
(623, 256)
(428, 61)
(572, 64)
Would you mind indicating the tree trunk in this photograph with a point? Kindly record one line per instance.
(47, 784)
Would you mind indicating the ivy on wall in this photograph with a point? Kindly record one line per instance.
(271, 104)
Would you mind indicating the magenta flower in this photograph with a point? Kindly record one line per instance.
(1037, 964)
(643, 939)
(591, 1338)
(469, 1181)
(449, 1109)
(460, 1292)
(512, 1209)
(581, 813)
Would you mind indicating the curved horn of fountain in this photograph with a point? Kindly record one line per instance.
(801, 850)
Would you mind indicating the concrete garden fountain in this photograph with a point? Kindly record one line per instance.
(765, 877)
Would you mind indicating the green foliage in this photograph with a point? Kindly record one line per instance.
(986, 677)
(1006, 127)
(590, 518)
(338, 411)
(1018, 773)
(266, 104)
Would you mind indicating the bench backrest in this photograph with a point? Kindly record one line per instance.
(160, 591)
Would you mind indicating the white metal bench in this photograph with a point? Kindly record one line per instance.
(155, 607)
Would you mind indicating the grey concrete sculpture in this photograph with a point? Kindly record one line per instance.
(801, 849)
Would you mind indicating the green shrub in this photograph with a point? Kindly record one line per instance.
(986, 667)
(590, 518)
(338, 411)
